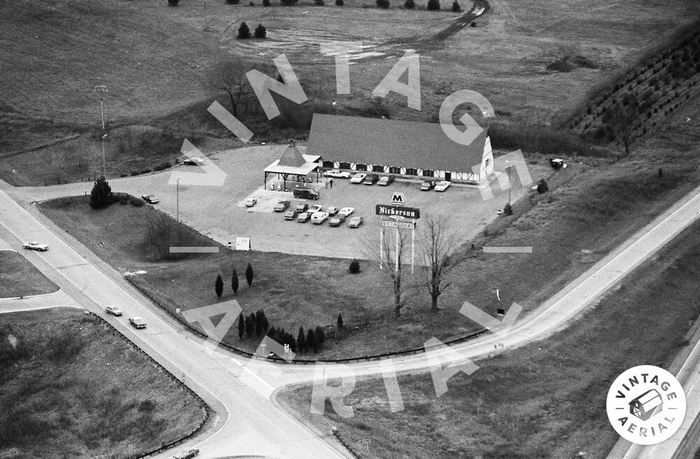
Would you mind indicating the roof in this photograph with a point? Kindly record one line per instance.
(292, 157)
(306, 168)
(391, 143)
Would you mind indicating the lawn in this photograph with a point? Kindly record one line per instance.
(155, 62)
(546, 399)
(18, 277)
(73, 387)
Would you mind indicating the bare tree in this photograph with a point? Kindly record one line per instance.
(390, 258)
(229, 76)
(438, 242)
(621, 119)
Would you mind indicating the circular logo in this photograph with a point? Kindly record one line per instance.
(646, 405)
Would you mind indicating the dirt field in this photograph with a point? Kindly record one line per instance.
(544, 400)
(71, 386)
(18, 277)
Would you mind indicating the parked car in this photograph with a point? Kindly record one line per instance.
(319, 217)
(335, 173)
(281, 206)
(384, 180)
(332, 211)
(371, 179)
(303, 217)
(113, 310)
(290, 214)
(193, 162)
(442, 185)
(137, 322)
(250, 202)
(36, 246)
(346, 211)
(315, 208)
(186, 454)
(305, 193)
(301, 207)
(427, 185)
(336, 221)
(151, 199)
(358, 178)
(355, 222)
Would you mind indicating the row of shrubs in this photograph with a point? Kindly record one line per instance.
(432, 5)
(256, 325)
(159, 167)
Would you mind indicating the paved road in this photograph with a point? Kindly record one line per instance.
(255, 425)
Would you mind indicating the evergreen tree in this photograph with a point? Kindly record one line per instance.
(249, 275)
(259, 318)
(101, 194)
(340, 321)
(311, 340)
(260, 31)
(243, 31)
(234, 281)
(219, 286)
(266, 3)
(320, 336)
(433, 5)
(241, 326)
(250, 325)
(455, 7)
(409, 5)
(384, 4)
(301, 340)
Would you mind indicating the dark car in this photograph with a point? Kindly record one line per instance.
(336, 221)
(371, 179)
(305, 193)
(290, 214)
(427, 185)
(281, 206)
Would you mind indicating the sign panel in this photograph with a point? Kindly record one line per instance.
(398, 211)
(398, 199)
(398, 224)
(242, 243)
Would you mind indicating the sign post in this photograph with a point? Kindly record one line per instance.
(401, 217)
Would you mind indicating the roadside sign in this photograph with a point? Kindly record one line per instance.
(397, 211)
(398, 224)
(398, 199)
(242, 243)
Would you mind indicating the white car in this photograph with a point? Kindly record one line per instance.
(319, 217)
(442, 186)
(193, 162)
(335, 173)
(151, 199)
(35, 246)
(332, 211)
(355, 222)
(358, 178)
(313, 209)
(346, 211)
(137, 322)
(113, 310)
(250, 202)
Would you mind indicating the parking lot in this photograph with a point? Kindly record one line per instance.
(220, 212)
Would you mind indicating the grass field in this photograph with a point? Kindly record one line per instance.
(72, 387)
(18, 277)
(156, 60)
(544, 400)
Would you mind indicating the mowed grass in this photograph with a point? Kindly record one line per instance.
(546, 399)
(18, 277)
(73, 387)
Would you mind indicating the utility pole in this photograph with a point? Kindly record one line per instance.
(177, 199)
(102, 89)
(508, 170)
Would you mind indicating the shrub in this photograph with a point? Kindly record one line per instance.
(409, 4)
(266, 3)
(301, 340)
(384, 4)
(219, 286)
(234, 281)
(433, 5)
(136, 202)
(173, 2)
(354, 267)
(339, 3)
(243, 31)
(101, 194)
(508, 210)
(542, 186)
(318, 2)
(233, 2)
(288, 2)
(249, 275)
(260, 31)
(455, 7)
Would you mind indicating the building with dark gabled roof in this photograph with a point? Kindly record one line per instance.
(406, 148)
(293, 163)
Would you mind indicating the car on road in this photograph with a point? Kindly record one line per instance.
(35, 246)
(371, 179)
(193, 162)
(427, 185)
(151, 199)
(301, 207)
(385, 180)
(113, 310)
(332, 211)
(315, 208)
(346, 211)
(442, 185)
(186, 454)
(355, 222)
(290, 214)
(137, 322)
(319, 217)
(281, 206)
(358, 178)
(303, 217)
(337, 174)
(336, 221)
(250, 202)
